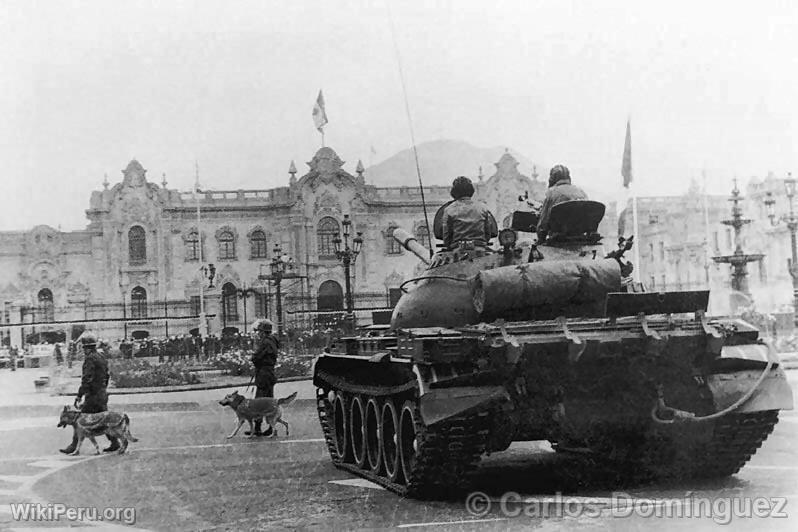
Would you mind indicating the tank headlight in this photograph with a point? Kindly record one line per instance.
(507, 238)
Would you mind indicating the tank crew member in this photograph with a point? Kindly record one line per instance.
(467, 220)
(560, 190)
(264, 359)
(93, 384)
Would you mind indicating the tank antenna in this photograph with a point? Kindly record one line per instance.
(409, 122)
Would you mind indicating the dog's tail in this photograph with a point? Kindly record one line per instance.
(128, 435)
(287, 400)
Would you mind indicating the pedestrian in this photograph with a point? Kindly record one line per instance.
(59, 357)
(13, 353)
(93, 385)
(264, 359)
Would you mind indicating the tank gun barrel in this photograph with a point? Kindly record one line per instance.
(410, 243)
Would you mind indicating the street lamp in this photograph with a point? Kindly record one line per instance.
(278, 266)
(244, 293)
(792, 226)
(348, 256)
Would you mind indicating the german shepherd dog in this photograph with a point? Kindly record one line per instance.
(112, 424)
(261, 407)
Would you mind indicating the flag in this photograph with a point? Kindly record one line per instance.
(319, 113)
(626, 166)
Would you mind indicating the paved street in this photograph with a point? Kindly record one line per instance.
(184, 475)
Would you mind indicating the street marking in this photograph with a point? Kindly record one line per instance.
(772, 467)
(251, 441)
(358, 483)
(463, 522)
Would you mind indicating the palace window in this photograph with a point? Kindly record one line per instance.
(229, 303)
(392, 247)
(138, 303)
(257, 245)
(422, 235)
(227, 245)
(192, 246)
(261, 305)
(137, 245)
(46, 307)
(328, 228)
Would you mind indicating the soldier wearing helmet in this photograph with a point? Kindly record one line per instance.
(560, 190)
(93, 384)
(465, 220)
(264, 359)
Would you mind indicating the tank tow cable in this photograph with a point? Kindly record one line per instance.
(683, 415)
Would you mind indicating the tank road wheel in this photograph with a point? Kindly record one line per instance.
(341, 428)
(372, 436)
(409, 439)
(356, 432)
(389, 437)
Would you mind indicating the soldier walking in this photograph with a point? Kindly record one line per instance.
(93, 384)
(264, 359)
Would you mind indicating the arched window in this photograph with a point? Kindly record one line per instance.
(422, 235)
(331, 296)
(328, 228)
(138, 303)
(46, 307)
(257, 245)
(229, 304)
(192, 246)
(392, 247)
(227, 245)
(137, 245)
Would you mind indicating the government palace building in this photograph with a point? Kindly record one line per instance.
(139, 266)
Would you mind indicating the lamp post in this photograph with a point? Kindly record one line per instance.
(281, 267)
(792, 225)
(348, 256)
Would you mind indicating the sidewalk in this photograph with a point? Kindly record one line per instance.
(17, 389)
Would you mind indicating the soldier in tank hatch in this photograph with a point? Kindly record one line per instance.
(560, 190)
(465, 220)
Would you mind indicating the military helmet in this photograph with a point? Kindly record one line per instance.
(263, 325)
(88, 339)
(462, 187)
(559, 173)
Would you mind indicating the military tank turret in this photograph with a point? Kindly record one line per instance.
(545, 341)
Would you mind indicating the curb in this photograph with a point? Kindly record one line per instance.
(186, 387)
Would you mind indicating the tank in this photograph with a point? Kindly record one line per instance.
(545, 341)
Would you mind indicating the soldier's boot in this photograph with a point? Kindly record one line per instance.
(114, 445)
(69, 449)
(257, 431)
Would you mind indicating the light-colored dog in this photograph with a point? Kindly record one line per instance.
(111, 424)
(261, 407)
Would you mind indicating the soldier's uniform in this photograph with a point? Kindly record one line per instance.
(264, 359)
(93, 384)
(560, 190)
(466, 220)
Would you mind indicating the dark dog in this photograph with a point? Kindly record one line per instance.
(260, 407)
(112, 424)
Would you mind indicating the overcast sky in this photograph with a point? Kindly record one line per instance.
(87, 86)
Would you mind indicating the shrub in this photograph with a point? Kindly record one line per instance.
(239, 362)
(133, 373)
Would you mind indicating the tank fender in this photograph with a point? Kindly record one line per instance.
(774, 393)
(440, 404)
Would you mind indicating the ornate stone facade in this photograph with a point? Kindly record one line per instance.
(139, 255)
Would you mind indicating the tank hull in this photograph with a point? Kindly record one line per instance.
(448, 396)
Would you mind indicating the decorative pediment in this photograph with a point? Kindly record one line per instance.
(327, 168)
(43, 240)
(226, 229)
(258, 228)
(227, 274)
(328, 203)
(134, 175)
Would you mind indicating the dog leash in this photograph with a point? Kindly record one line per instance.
(251, 380)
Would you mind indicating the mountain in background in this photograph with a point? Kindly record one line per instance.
(441, 161)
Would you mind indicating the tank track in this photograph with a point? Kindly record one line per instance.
(735, 439)
(448, 453)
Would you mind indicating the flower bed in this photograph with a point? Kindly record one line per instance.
(239, 362)
(132, 373)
